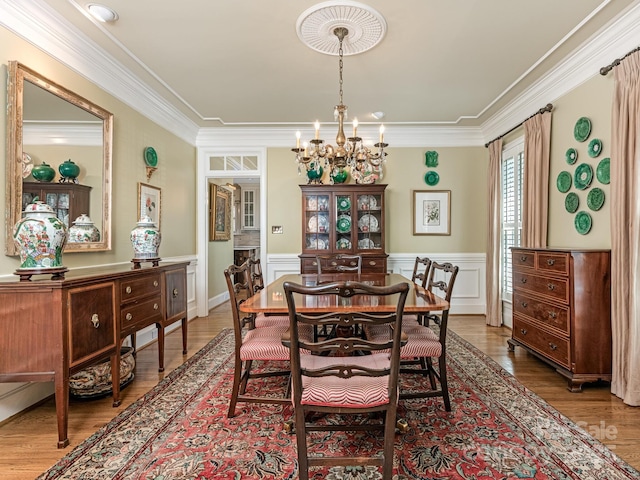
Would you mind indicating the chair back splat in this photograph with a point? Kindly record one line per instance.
(345, 374)
(421, 269)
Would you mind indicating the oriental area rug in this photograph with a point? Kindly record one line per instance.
(497, 429)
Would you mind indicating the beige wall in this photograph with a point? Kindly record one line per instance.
(461, 170)
(132, 133)
(592, 100)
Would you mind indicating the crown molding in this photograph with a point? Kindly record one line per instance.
(614, 40)
(37, 23)
(394, 135)
(60, 133)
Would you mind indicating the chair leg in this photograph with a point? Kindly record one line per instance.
(389, 442)
(429, 369)
(237, 372)
(301, 441)
(443, 382)
(246, 373)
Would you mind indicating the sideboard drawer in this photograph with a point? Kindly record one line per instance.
(524, 258)
(374, 264)
(542, 341)
(139, 287)
(556, 288)
(557, 263)
(141, 314)
(546, 313)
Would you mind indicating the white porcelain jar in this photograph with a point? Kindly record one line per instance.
(83, 230)
(40, 237)
(145, 239)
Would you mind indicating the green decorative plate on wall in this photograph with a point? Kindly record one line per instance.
(602, 171)
(583, 222)
(150, 157)
(431, 159)
(595, 148)
(431, 178)
(572, 156)
(571, 202)
(563, 182)
(583, 176)
(595, 199)
(582, 129)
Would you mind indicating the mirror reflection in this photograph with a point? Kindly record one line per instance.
(60, 152)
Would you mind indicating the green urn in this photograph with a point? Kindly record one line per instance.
(339, 175)
(69, 171)
(315, 176)
(43, 172)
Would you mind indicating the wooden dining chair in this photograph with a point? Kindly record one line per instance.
(253, 344)
(424, 344)
(332, 380)
(420, 276)
(339, 263)
(257, 284)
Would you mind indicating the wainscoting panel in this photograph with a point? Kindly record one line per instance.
(469, 296)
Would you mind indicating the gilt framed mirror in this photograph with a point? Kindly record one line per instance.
(49, 124)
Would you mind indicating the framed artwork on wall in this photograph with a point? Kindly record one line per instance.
(219, 213)
(431, 212)
(149, 202)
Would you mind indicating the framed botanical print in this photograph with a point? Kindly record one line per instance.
(149, 202)
(432, 212)
(219, 213)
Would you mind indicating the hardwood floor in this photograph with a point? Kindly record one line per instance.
(28, 441)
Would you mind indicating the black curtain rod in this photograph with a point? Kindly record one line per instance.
(547, 108)
(605, 70)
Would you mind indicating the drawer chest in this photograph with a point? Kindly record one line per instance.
(50, 329)
(562, 310)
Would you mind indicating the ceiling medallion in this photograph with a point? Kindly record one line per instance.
(316, 27)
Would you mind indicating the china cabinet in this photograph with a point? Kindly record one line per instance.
(562, 310)
(68, 200)
(343, 219)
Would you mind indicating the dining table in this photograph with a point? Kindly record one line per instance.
(271, 299)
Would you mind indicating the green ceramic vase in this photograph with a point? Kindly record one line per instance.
(43, 172)
(69, 170)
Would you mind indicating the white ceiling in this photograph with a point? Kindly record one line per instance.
(241, 63)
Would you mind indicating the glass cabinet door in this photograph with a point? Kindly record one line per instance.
(370, 228)
(317, 222)
(344, 222)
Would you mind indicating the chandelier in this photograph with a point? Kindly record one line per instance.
(349, 154)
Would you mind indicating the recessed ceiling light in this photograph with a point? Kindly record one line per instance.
(378, 115)
(102, 12)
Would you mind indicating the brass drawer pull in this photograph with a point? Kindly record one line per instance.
(523, 331)
(553, 346)
(551, 286)
(128, 289)
(523, 280)
(155, 306)
(315, 264)
(155, 283)
(550, 262)
(128, 316)
(175, 292)
(373, 263)
(95, 320)
(553, 314)
(523, 258)
(524, 304)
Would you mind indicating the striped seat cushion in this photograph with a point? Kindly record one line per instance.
(264, 344)
(422, 341)
(354, 392)
(263, 320)
(410, 321)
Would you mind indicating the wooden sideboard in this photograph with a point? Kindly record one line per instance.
(562, 310)
(50, 329)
